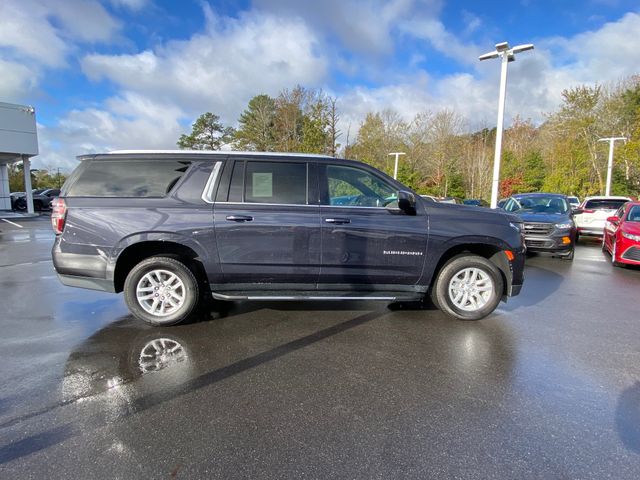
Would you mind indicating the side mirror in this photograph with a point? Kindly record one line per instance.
(407, 202)
(613, 219)
(577, 211)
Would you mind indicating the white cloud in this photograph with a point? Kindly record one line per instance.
(44, 32)
(133, 5)
(535, 81)
(220, 69)
(361, 26)
(217, 70)
(17, 80)
(441, 39)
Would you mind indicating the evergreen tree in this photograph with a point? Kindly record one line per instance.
(257, 125)
(207, 133)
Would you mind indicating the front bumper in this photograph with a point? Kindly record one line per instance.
(550, 243)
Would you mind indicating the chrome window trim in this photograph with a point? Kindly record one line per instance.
(269, 204)
(207, 193)
(304, 205)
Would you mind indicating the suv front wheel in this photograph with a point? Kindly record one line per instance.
(161, 291)
(468, 287)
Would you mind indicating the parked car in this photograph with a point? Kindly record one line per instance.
(14, 196)
(453, 200)
(595, 210)
(475, 202)
(574, 202)
(41, 199)
(548, 222)
(502, 202)
(621, 236)
(170, 228)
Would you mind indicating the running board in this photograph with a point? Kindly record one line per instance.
(220, 296)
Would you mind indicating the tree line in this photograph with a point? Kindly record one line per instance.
(443, 158)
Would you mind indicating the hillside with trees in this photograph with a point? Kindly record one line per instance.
(443, 158)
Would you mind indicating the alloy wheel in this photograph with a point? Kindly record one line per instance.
(470, 289)
(160, 293)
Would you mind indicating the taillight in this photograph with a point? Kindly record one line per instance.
(58, 215)
(588, 211)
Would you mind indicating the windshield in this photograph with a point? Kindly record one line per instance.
(538, 204)
(634, 214)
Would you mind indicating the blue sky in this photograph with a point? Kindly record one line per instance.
(135, 73)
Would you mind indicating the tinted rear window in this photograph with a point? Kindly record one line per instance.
(127, 178)
(604, 204)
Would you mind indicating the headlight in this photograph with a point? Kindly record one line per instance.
(516, 226)
(635, 238)
(562, 226)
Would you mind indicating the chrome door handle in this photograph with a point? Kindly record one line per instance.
(239, 218)
(339, 221)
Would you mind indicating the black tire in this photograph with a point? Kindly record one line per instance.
(37, 205)
(440, 292)
(577, 237)
(191, 290)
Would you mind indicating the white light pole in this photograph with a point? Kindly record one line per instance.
(507, 55)
(395, 169)
(612, 141)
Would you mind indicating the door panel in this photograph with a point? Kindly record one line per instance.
(269, 232)
(376, 246)
(365, 240)
(280, 244)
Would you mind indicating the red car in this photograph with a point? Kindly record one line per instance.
(622, 235)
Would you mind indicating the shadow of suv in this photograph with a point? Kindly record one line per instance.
(171, 228)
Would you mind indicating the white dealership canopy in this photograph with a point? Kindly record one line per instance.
(18, 142)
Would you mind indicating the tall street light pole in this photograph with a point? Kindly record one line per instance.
(395, 168)
(612, 141)
(507, 55)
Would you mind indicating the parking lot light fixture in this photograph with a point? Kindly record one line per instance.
(395, 168)
(507, 55)
(612, 141)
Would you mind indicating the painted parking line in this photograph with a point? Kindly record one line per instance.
(12, 223)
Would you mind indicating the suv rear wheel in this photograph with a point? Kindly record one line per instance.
(468, 287)
(161, 291)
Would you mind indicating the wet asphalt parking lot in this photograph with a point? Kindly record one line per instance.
(547, 387)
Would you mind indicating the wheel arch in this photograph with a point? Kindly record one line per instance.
(133, 254)
(489, 248)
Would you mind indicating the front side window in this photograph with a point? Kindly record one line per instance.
(348, 186)
(271, 182)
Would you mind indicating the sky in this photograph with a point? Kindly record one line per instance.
(135, 74)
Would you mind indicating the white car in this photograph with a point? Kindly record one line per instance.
(574, 202)
(595, 210)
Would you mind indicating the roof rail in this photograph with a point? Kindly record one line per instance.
(216, 152)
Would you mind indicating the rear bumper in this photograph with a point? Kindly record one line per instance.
(591, 231)
(82, 266)
(87, 282)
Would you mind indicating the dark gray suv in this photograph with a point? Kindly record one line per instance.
(171, 228)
